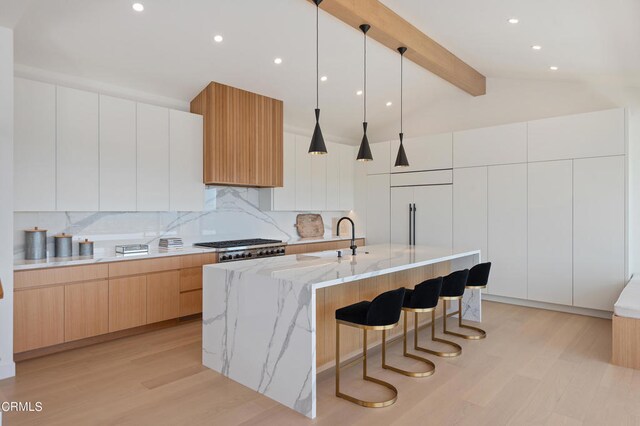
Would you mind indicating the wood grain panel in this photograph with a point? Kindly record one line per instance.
(191, 261)
(38, 318)
(626, 342)
(191, 279)
(163, 296)
(390, 29)
(146, 266)
(190, 303)
(86, 310)
(296, 248)
(127, 302)
(64, 275)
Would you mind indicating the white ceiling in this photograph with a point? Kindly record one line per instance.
(167, 49)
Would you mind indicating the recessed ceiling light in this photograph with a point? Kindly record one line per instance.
(513, 20)
(359, 93)
(553, 68)
(138, 7)
(277, 61)
(218, 38)
(323, 78)
(389, 103)
(536, 47)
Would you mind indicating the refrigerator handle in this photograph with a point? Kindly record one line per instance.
(414, 223)
(410, 219)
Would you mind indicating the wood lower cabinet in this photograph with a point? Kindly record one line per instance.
(190, 279)
(127, 302)
(86, 310)
(163, 296)
(322, 246)
(190, 303)
(38, 318)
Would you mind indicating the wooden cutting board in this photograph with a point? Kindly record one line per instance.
(310, 225)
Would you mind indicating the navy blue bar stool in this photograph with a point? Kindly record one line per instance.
(477, 280)
(383, 313)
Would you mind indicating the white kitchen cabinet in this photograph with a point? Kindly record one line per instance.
(381, 158)
(402, 199)
(34, 146)
(434, 177)
(507, 231)
(598, 231)
(117, 154)
(378, 209)
(153, 158)
(470, 209)
(434, 215)
(347, 164)
(431, 152)
(303, 174)
(284, 198)
(333, 176)
(593, 134)
(77, 151)
(186, 187)
(318, 182)
(550, 236)
(505, 144)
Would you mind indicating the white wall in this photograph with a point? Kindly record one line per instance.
(633, 189)
(7, 367)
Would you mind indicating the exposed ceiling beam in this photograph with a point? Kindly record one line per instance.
(390, 29)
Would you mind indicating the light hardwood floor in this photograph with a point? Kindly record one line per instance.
(535, 367)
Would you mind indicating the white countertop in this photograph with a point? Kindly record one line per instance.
(324, 269)
(109, 255)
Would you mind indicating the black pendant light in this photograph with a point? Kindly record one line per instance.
(317, 141)
(364, 154)
(401, 158)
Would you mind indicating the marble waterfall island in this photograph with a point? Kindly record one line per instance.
(263, 317)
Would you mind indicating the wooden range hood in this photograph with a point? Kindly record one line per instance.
(243, 134)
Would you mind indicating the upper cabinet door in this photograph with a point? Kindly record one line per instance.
(508, 230)
(550, 252)
(381, 153)
(285, 198)
(432, 152)
(117, 154)
(186, 188)
(594, 134)
(378, 209)
(303, 174)
(347, 160)
(153, 158)
(318, 182)
(598, 231)
(34, 146)
(434, 215)
(470, 209)
(78, 157)
(333, 176)
(491, 145)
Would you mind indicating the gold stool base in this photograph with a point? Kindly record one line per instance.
(457, 349)
(368, 404)
(426, 373)
(481, 333)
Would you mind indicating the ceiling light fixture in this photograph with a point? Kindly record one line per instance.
(364, 153)
(277, 61)
(553, 68)
(323, 78)
(218, 39)
(359, 93)
(317, 146)
(536, 47)
(401, 158)
(138, 7)
(513, 20)
(389, 103)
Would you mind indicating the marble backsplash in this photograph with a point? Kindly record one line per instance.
(229, 213)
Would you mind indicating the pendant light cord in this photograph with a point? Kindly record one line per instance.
(365, 76)
(401, 87)
(317, 57)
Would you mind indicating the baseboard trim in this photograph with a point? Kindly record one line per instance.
(7, 370)
(548, 306)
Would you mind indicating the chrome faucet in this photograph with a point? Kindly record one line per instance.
(353, 246)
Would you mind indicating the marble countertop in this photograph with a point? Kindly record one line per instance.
(324, 269)
(109, 255)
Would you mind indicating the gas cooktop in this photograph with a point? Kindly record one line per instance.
(239, 243)
(245, 249)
